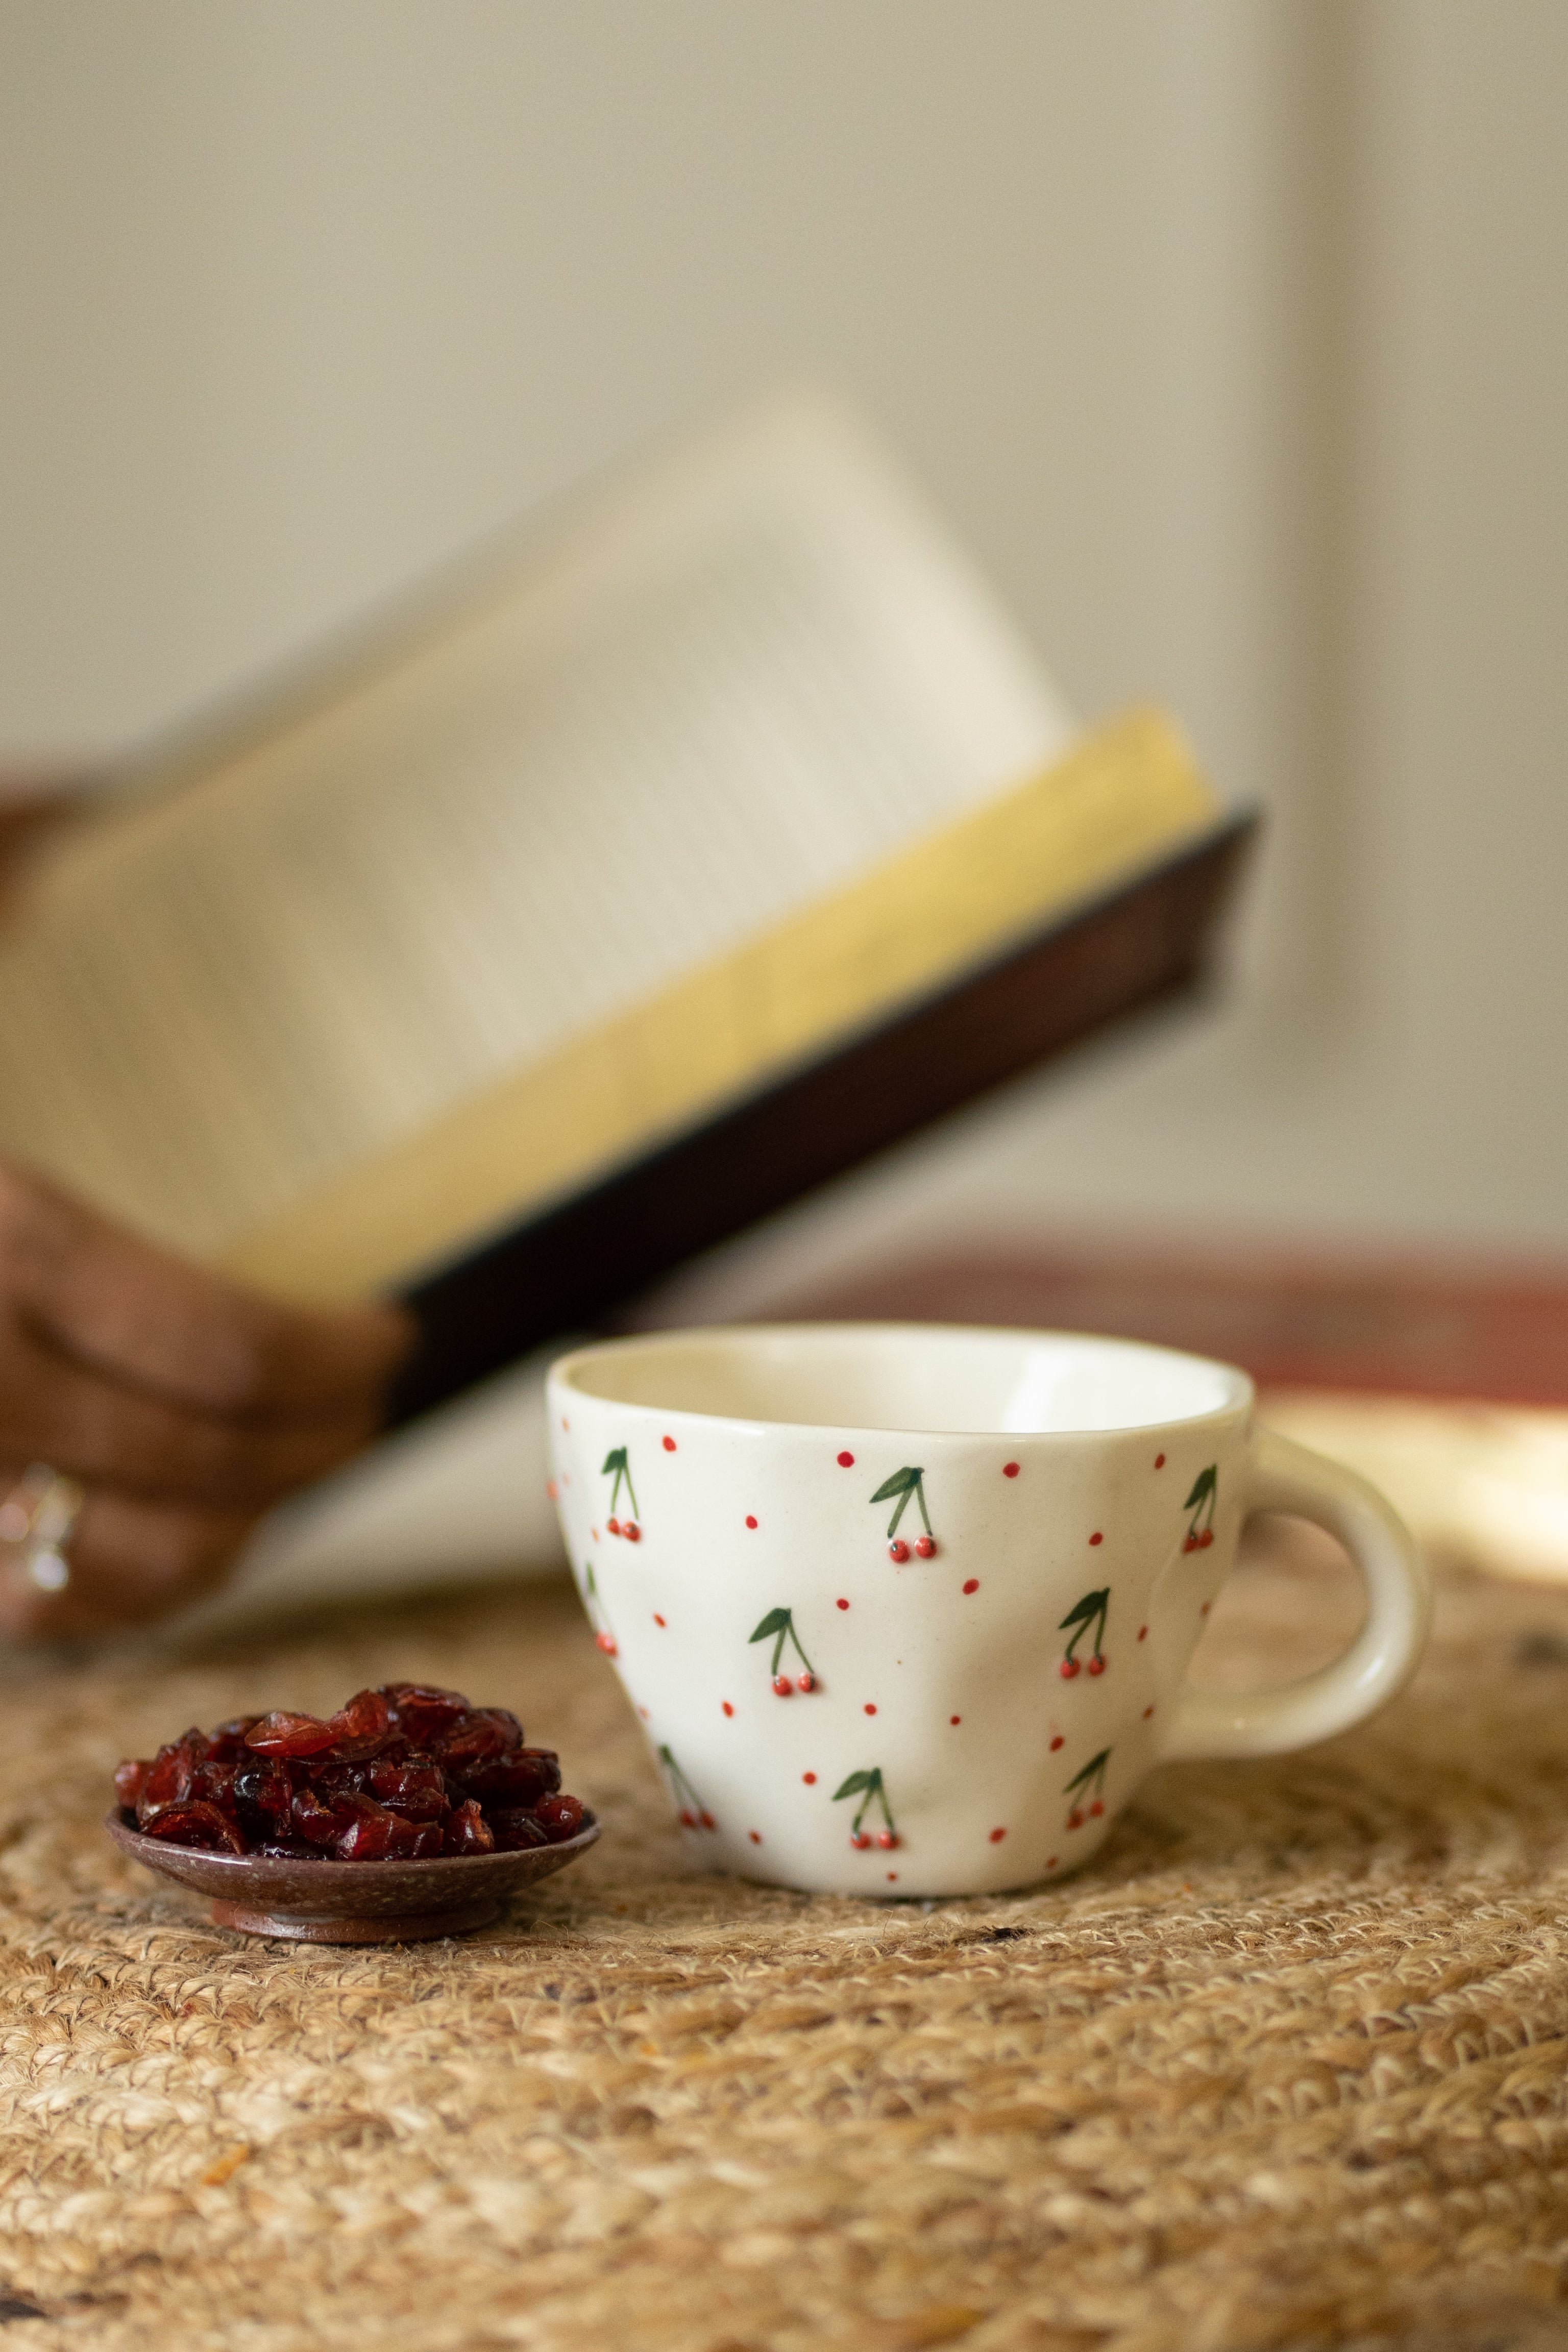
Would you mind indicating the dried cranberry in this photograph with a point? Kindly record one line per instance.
(561, 1818)
(334, 1779)
(363, 1727)
(263, 1795)
(515, 1829)
(467, 1831)
(427, 1838)
(416, 1789)
(518, 1779)
(212, 1783)
(477, 1738)
(197, 1825)
(283, 1734)
(314, 1821)
(228, 1740)
(373, 1833)
(129, 1779)
(167, 1782)
(420, 1709)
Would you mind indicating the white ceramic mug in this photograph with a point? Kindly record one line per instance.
(908, 1611)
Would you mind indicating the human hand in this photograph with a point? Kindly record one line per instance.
(185, 1404)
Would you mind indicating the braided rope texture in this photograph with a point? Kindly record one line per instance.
(1284, 2070)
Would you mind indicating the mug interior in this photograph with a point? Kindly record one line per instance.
(914, 1377)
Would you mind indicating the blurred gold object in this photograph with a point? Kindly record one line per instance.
(1486, 1482)
(36, 1520)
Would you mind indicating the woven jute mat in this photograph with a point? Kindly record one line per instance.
(1285, 2069)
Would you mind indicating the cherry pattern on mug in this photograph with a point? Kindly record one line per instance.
(869, 1787)
(598, 1615)
(1090, 1611)
(618, 1467)
(780, 1623)
(693, 1813)
(1201, 1503)
(1088, 1782)
(898, 1490)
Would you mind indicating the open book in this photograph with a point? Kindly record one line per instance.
(684, 852)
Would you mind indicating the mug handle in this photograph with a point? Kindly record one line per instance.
(1283, 1476)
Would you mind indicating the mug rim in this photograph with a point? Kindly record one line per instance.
(562, 1376)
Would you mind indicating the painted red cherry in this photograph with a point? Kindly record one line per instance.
(708, 1820)
(860, 1839)
(1158, 1461)
(806, 1682)
(898, 1550)
(1075, 1820)
(670, 1444)
(1068, 1668)
(607, 1644)
(997, 1836)
(1056, 1743)
(631, 1531)
(1096, 1537)
(887, 1838)
(750, 1520)
(1095, 1810)
(1191, 1544)
(1205, 1539)
(1096, 1665)
(783, 1684)
(1009, 1469)
(687, 1819)
(925, 1546)
(846, 1462)
(613, 1525)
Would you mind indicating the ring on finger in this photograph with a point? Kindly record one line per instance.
(35, 1521)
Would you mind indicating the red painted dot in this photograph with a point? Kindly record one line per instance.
(750, 1521)
(973, 1585)
(552, 1490)
(756, 1836)
(892, 1876)
(564, 1422)
(1158, 1461)
(1009, 1469)
(844, 1604)
(1052, 1863)
(643, 1712)
(1097, 1537)
(1147, 1713)
(728, 1708)
(871, 1709)
(997, 1836)
(846, 1462)
(955, 1718)
(656, 1618)
(1056, 1743)
(670, 1444)
(810, 1780)
(1204, 1610)
(1142, 1631)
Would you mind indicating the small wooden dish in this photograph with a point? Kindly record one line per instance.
(350, 1902)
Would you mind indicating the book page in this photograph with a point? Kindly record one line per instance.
(725, 691)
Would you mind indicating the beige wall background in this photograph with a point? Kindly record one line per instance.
(1234, 338)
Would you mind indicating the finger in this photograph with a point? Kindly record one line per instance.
(122, 1303)
(130, 1562)
(57, 1412)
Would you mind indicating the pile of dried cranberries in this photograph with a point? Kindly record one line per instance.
(399, 1773)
